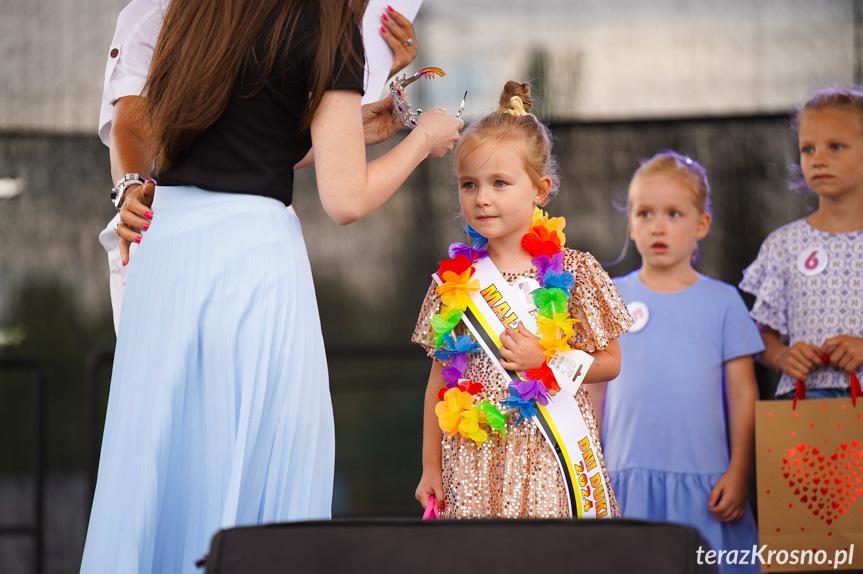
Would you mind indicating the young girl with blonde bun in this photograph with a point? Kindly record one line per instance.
(664, 430)
(484, 454)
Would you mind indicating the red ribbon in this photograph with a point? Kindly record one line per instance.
(800, 392)
(856, 391)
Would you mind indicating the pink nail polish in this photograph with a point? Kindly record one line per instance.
(124, 263)
(384, 16)
(151, 180)
(390, 8)
(138, 239)
(383, 30)
(145, 227)
(148, 215)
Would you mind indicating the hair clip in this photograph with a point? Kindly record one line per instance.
(402, 108)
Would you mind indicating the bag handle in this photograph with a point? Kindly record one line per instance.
(800, 391)
(856, 391)
(431, 511)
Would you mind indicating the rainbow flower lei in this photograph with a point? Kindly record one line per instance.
(457, 411)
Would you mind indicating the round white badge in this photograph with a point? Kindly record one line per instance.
(812, 260)
(640, 314)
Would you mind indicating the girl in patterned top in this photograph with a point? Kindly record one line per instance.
(808, 276)
(505, 170)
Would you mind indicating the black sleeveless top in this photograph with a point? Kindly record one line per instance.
(253, 147)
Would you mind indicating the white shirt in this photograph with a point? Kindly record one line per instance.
(129, 56)
(129, 59)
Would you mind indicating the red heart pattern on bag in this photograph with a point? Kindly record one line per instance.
(831, 484)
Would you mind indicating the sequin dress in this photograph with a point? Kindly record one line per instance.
(518, 476)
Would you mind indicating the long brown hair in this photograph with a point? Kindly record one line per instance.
(203, 47)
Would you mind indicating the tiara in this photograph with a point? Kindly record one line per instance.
(402, 108)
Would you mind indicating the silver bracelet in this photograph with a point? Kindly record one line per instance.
(119, 191)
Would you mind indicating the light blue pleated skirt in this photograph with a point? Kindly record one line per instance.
(219, 411)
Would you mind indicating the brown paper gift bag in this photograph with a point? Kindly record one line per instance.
(809, 468)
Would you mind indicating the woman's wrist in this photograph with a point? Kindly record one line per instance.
(119, 191)
(422, 139)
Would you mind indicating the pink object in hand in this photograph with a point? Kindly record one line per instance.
(431, 510)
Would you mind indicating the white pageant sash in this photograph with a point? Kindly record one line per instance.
(497, 305)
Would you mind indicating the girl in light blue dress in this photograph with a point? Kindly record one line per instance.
(664, 431)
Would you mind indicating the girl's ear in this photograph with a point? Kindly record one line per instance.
(542, 190)
(703, 226)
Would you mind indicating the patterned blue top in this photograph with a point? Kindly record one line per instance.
(809, 286)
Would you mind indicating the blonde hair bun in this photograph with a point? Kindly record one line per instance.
(515, 99)
(513, 124)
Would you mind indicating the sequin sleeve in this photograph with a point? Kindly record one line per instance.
(422, 334)
(595, 302)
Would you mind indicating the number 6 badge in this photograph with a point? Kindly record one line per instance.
(812, 260)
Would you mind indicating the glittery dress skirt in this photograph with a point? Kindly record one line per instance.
(219, 411)
(517, 476)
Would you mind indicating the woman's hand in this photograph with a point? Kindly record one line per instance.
(398, 32)
(799, 360)
(430, 484)
(440, 131)
(135, 215)
(379, 124)
(349, 187)
(520, 349)
(845, 351)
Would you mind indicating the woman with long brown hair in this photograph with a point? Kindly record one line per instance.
(220, 413)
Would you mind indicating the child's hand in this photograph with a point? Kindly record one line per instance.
(520, 349)
(430, 484)
(799, 360)
(727, 500)
(846, 352)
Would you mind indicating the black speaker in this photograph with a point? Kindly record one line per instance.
(441, 546)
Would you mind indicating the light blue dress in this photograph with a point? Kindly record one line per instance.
(219, 411)
(664, 435)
